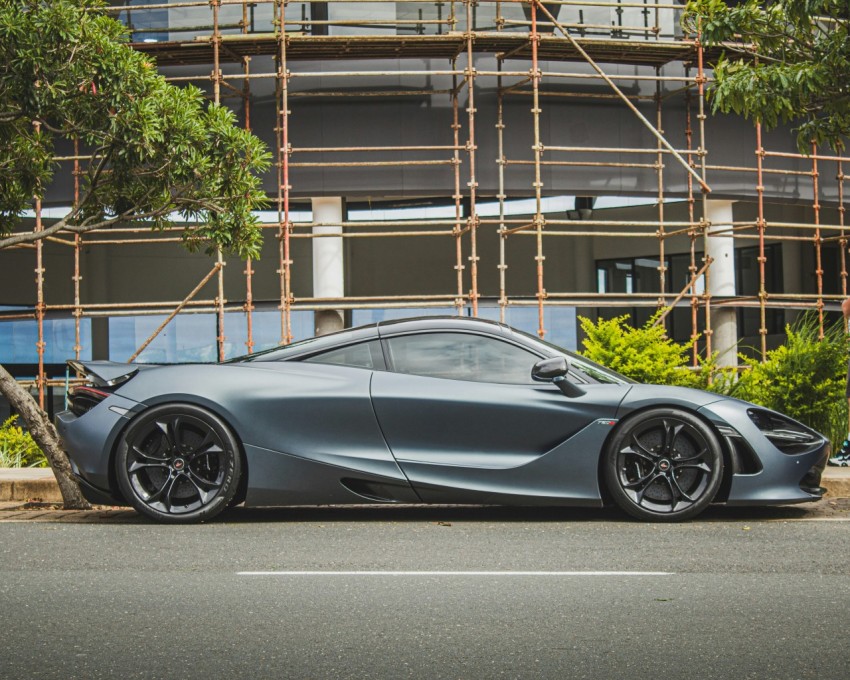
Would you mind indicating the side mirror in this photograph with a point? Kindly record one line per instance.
(555, 370)
(549, 369)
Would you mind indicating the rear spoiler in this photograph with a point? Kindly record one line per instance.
(106, 373)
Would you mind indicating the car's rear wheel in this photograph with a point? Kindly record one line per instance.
(663, 464)
(178, 463)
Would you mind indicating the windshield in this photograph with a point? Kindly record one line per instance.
(587, 369)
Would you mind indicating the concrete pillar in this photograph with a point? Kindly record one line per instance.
(328, 267)
(721, 281)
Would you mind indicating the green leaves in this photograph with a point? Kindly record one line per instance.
(644, 354)
(159, 152)
(17, 448)
(804, 378)
(785, 61)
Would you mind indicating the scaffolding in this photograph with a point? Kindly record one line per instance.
(640, 36)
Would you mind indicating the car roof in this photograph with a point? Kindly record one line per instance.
(372, 331)
(395, 326)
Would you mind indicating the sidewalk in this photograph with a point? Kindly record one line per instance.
(39, 484)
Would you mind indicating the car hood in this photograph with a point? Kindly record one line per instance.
(642, 396)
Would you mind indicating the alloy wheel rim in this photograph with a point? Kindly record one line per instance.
(176, 464)
(665, 465)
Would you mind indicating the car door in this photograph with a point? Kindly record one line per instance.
(465, 421)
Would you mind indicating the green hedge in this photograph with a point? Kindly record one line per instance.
(17, 448)
(645, 354)
(804, 378)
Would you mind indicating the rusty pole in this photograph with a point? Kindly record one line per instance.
(457, 196)
(78, 242)
(249, 270)
(701, 116)
(472, 220)
(503, 234)
(39, 281)
(760, 224)
(282, 139)
(662, 264)
(817, 238)
(216, 78)
(538, 184)
(692, 230)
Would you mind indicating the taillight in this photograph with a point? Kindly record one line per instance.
(83, 398)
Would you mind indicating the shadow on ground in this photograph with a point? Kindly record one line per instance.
(838, 508)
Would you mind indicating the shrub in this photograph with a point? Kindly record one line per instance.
(17, 448)
(645, 354)
(804, 378)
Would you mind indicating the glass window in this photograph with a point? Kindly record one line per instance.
(461, 356)
(586, 370)
(18, 340)
(362, 355)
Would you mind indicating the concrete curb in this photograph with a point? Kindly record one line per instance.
(39, 484)
(837, 482)
(28, 484)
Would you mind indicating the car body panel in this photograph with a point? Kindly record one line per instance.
(562, 476)
(314, 411)
(489, 438)
(86, 439)
(779, 479)
(318, 433)
(277, 478)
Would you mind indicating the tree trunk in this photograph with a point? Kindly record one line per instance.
(45, 435)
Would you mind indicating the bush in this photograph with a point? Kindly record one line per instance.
(17, 448)
(644, 354)
(804, 378)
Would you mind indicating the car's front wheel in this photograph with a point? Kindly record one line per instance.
(664, 464)
(178, 463)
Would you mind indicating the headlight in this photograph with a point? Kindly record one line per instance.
(785, 434)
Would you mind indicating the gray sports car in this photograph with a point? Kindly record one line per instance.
(431, 410)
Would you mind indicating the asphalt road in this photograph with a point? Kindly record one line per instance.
(342, 595)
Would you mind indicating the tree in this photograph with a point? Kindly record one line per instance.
(158, 153)
(784, 61)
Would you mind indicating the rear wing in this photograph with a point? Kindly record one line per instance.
(106, 373)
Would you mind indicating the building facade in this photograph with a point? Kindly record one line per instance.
(516, 161)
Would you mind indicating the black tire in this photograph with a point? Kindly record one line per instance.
(663, 465)
(178, 463)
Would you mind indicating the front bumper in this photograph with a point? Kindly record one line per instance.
(782, 478)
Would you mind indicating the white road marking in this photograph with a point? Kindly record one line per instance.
(455, 573)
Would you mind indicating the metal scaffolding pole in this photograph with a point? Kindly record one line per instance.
(39, 282)
(457, 196)
(538, 184)
(817, 237)
(760, 225)
(225, 40)
(472, 218)
(216, 79)
(283, 151)
(701, 152)
(662, 261)
(503, 235)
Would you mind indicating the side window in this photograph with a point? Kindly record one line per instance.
(461, 356)
(362, 355)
